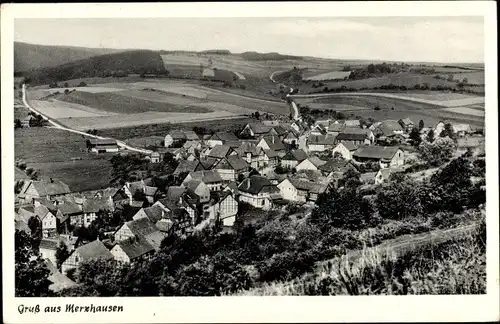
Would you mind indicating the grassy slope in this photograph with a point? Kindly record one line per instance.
(51, 151)
(368, 271)
(112, 102)
(32, 56)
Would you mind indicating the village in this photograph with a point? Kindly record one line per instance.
(270, 165)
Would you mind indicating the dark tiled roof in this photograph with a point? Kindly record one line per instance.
(47, 188)
(406, 121)
(256, 184)
(296, 155)
(207, 176)
(333, 165)
(69, 208)
(94, 250)
(271, 154)
(141, 226)
(350, 146)
(154, 213)
(219, 151)
(136, 248)
(247, 147)
(274, 143)
(191, 136)
(224, 136)
(388, 127)
(351, 137)
(48, 244)
(103, 142)
(185, 166)
(237, 163)
(303, 184)
(376, 152)
(321, 139)
(207, 163)
(259, 128)
(177, 134)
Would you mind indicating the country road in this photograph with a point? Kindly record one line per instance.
(294, 109)
(55, 124)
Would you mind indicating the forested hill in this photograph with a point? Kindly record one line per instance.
(32, 56)
(116, 64)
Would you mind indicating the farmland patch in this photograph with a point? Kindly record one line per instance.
(58, 109)
(111, 102)
(465, 111)
(62, 155)
(151, 117)
(330, 76)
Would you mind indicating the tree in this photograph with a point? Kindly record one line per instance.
(62, 253)
(415, 137)
(450, 77)
(82, 84)
(66, 84)
(420, 125)
(17, 123)
(257, 115)
(448, 131)
(465, 80)
(430, 136)
(399, 199)
(66, 91)
(438, 152)
(31, 272)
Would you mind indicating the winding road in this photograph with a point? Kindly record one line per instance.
(294, 109)
(55, 124)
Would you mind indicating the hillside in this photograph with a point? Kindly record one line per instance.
(31, 56)
(116, 64)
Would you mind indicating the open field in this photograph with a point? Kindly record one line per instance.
(160, 130)
(59, 109)
(183, 59)
(430, 114)
(466, 111)
(62, 155)
(472, 77)
(330, 76)
(111, 102)
(137, 119)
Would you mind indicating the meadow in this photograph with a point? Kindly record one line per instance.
(330, 76)
(62, 155)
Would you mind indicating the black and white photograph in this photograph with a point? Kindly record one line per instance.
(239, 157)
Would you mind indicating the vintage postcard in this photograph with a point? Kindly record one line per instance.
(250, 162)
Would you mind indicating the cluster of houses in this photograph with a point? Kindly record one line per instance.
(267, 165)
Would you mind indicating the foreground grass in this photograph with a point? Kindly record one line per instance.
(454, 263)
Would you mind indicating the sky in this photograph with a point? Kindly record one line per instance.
(415, 39)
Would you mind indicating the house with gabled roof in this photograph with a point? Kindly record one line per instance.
(407, 124)
(335, 165)
(318, 130)
(231, 167)
(38, 189)
(271, 158)
(292, 158)
(386, 156)
(220, 138)
(228, 208)
(153, 213)
(291, 138)
(256, 130)
(221, 151)
(102, 145)
(335, 127)
(259, 192)
(183, 198)
(320, 143)
(186, 166)
(388, 128)
(273, 143)
(192, 146)
(141, 228)
(252, 154)
(301, 190)
(383, 175)
(91, 251)
(211, 178)
(128, 251)
(311, 163)
(345, 149)
(130, 188)
(198, 188)
(48, 221)
(175, 137)
(20, 224)
(206, 163)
